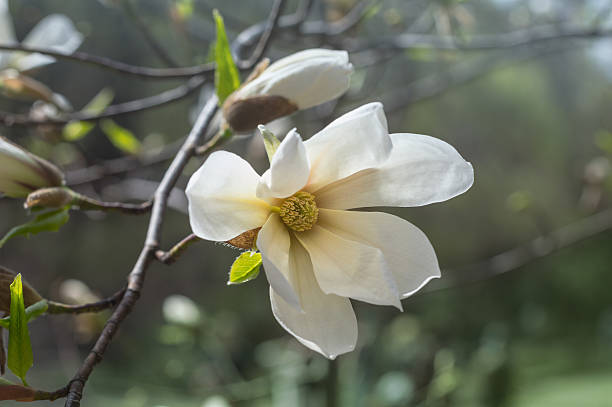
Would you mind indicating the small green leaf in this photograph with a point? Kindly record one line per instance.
(76, 130)
(48, 221)
(227, 79)
(100, 102)
(245, 268)
(20, 357)
(270, 141)
(121, 137)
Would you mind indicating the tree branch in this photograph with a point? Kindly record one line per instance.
(117, 66)
(522, 255)
(106, 303)
(137, 275)
(177, 250)
(147, 35)
(169, 96)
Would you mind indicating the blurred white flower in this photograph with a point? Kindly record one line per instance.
(181, 310)
(299, 81)
(55, 32)
(316, 252)
(22, 172)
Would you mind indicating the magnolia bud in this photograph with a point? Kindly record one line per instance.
(55, 197)
(22, 172)
(30, 295)
(299, 81)
(15, 85)
(245, 114)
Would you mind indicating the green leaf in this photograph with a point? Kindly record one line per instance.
(100, 102)
(76, 130)
(271, 143)
(121, 137)
(20, 357)
(48, 221)
(227, 79)
(245, 268)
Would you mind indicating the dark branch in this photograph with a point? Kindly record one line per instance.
(177, 250)
(148, 36)
(169, 96)
(137, 275)
(110, 302)
(117, 66)
(522, 255)
(264, 38)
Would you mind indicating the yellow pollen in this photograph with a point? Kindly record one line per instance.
(299, 212)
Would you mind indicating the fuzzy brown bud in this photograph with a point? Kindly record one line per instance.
(244, 115)
(49, 198)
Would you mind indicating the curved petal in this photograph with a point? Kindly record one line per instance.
(55, 32)
(288, 171)
(307, 78)
(222, 201)
(327, 323)
(273, 242)
(353, 142)
(405, 247)
(349, 268)
(421, 170)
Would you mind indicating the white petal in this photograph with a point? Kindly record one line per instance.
(421, 170)
(348, 268)
(353, 142)
(222, 201)
(327, 323)
(288, 171)
(406, 249)
(7, 31)
(273, 242)
(307, 78)
(55, 32)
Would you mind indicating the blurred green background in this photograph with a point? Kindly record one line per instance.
(536, 123)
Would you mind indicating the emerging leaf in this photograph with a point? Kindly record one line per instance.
(121, 137)
(30, 295)
(245, 268)
(20, 357)
(76, 130)
(227, 79)
(49, 221)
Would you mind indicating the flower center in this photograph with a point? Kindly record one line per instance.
(299, 212)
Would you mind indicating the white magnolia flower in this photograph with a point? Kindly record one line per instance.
(299, 81)
(54, 32)
(316, 253)
(22, 172)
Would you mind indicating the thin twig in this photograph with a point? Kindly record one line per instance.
(522, 255)
(87, 203)
(169, 96)
(177, 250)
(117, 66)
(264, 39)
(480, 42)
(106, 303)
(148, 36)
(137, 275)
